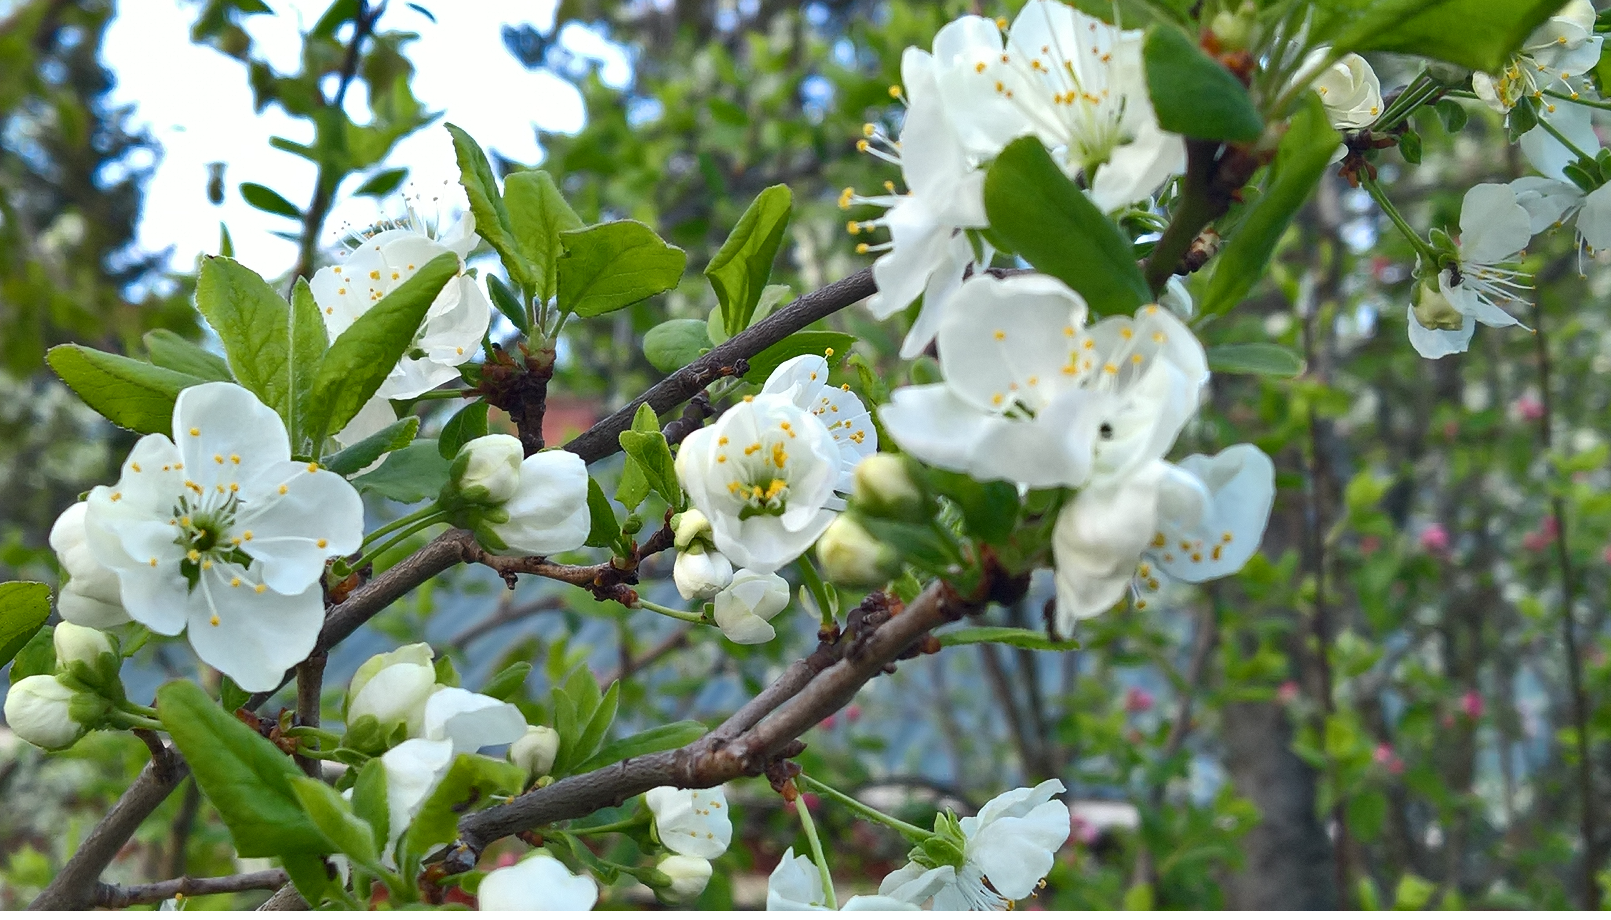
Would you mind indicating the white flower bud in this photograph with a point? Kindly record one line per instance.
(487, 469)
(418, 653)
(852, 556)
(92, 596)
(884, 488)
(41, 709)
(1350, 92)
(689, 875)
(394, 697)
(701, 574)
(535, 751)
(690, 527)
(744, 607)
(80, 644)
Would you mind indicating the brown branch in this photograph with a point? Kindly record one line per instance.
(287, 898)
(309, 686)
(631, 665)
(509, 614)
(155, 892)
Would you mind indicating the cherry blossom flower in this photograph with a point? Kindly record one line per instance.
(1495, 228)
(796, 884)
(692, 822)
(537, 883)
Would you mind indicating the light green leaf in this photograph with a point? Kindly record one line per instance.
(1037, 211)
(1005, 635)
(989, 509)
(395, 436)
(605, 528)
(508, 302)
(361, 357)
(1413, 892)
(653, 454)
(254, 325)
(409, 475)
(471, 782)
(1303, 157)
(598, 726)
(130, 393)
(309, 341)
(833, 345)
(1263, 358)
(538, 214)
(465, 426)
(1480, 34)
(369, 800)
(649, 741)
(614, 265)
(1194, 94)
(740, 269)
(266, 199)
(492, 219)
(169, 350)
(633, 487)
(676, 343)
(24, 607)
(37, 656)
(246, 777)
(342, 830)
(508, 682)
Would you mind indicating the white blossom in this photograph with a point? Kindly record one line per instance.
(548, 512)
(91, 597)
(744, 608)
(1556, 56)
(1551, 203)
(1494, 229)
(1546, 152)
(536, 883)
(392, 689)
(804, 379)
(220, 530)
(699, 574)
(852, 556)
(487, 469)
(796, 884)
(536, 750)
(692, 822)
(1349, 91)
(689, 875)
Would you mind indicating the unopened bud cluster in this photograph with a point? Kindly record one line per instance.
(83, 694)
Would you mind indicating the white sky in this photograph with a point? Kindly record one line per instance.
(198, 105)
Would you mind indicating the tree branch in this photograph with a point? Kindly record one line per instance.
(154, 892)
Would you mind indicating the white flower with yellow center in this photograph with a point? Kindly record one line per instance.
(1556, 56)
(805, 380)
(1069, 79)
(692, 822)
(1494, 229)
(764, 475)
(1349, 90)
(220, 530)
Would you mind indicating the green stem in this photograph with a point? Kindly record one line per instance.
(133, 708)
(910, 831)
(1423, 249)
(342, 568)
(1556, 133)
(123, 719)
(1578, 100)
(310, 731)
(1422, 88)
(687, 616)
(403, 521)
(625, 824)
(810, 828)
(447, 394)
(819, 591)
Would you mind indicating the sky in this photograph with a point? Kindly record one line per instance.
(197, 104)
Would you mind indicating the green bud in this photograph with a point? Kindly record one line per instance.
(90, 657)
(485, 472)
(853, 557)
(1235, 30)
(1433, 310)
(884, 488)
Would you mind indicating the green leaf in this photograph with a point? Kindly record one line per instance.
(369, 800)
(649, 741)
(361, 357)
(676, 343)
(539, 214)
(254, 324)
(614, 265)
(230, 695)
(811, 342)
(989, 509)
(507, 683)
(1303, 157)
(409, 475)
(598, 726)
(38, 655)
(130, 393)
(1037, 211)
(342, 830)
(264, 198)
(1413, 892)
(312, 877)
(1263, 358)
(169, 350)
(1453, 115)
(740, 269)
(916, 544)
(309, 341)
(633, 487)
(508, 303)
(465, 426)
(1409, 147)
(24, 607)
(605, 528)
(1032, 639)
(653, 454)
(1194, 94)
(383, 183)
(395, 436)
(1139, 897)
(492, 220)
(1479, 34)
(471, 782)
(246, 777)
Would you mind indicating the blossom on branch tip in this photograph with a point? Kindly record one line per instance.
(688, 874)
(535, 751)
(537, 883)
(699, 574)
(1556, 56)
(47, 713)
(691, 822)
(220, 531)
(1348, 89)
(546, 514)
(1495, 228)
(804, 380)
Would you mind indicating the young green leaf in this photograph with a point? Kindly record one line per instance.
(676, 343)
(538, 214)
(266, 199)
(254, 324)
(465, 426)
(245, 776)
(309, 341)
(1006, 635)
(492, 220)
(169, 350)
(740, 269)
(342, 830)
(810, 342)
(1037, 211)
(1266, 359)
(633, 487)
(361, 357)
(471, 782)
(24, 607)
(1193, 94)
(369, 800)
(508, 303)
(653, 454)
(605, 528)
(598, 726)
(38, 655)
(507, 683)
(411, 474)
(1479, 34)
(383, 183)
(614, 265)
(130, 393)
(395, 436)
(649, 741)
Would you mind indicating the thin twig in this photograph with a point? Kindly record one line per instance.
(185, 886)
(309, 688)
(508, 614)
(631, 666)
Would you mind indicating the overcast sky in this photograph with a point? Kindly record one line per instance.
(197, 103)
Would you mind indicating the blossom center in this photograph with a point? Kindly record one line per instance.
(205, 525)
(760, 473)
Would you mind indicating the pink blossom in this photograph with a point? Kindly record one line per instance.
(1287, 694)
(1385, 757)
(1471, 704)
(1605, 554)
(1529, 408)
(1137, 700)
(829, 722)
(1549, 526)
(1083, 831)
(1435, 539)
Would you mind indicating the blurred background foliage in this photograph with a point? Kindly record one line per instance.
(1378, 711)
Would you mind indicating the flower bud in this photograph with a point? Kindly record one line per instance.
(700, 574)
(691, 527)
(1433, 310)
(45, 712)
(92, 596)
(91, 657)
(1350, 93)
(883, 487)
(688, 874)
(853, 557)
(487, 470)
(535, 751)
(744, 607)
(1235, 30)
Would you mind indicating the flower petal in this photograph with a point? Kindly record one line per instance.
(548, 513)
(253, 636)
(226, 435)
(471, 721)
(292, 532)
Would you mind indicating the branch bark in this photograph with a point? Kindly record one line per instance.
(155, 892)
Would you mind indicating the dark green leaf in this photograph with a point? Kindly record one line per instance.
(811, 342)
(740, 269)
(1194, 94)
(1006, 635)
(313, 877)
(916, 544)
(508, 303)
(1453, 115)
(130, 393)
(465, 426)
(409, 475)
(38, 655)
(650, 741)
(598, 726)
(383, 183)
(168, 350)
(1479, 34)
(676, 343)
(605, 528)
(264, 198)
(1409, 147)
(24, 607)
(1037, 211)
(309, 341)
(989, 509)
(491, 216)
(508, 682)
(343, 831)
(1303, 157)
(361, 357)
(614, 265)
(471, 782)
(254, 324)
(539, 214)
(1265, 359)
(395, 436)
(246, 777)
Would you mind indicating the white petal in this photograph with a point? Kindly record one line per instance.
(1493, 227)
(914, 884)
(692, 822)
(1016, 853)
(413, 769)
(921, 244)
(942, 286)
(214, 423)
(292, 533)
(548, 513)
(1594, 220)
(395, 694)
(1138, 168)
(1008, 340)
(259, 634)
(1548, 155)
(1438, 343)
(1097, 543)
(1547, 201)
(795, 884)
(471, 721)
(537, 883)
(1240, 482)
